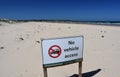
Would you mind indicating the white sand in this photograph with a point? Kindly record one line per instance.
(20, 52)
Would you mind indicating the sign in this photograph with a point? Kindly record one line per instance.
(62, 51)
(54, 51)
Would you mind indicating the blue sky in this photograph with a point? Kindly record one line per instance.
(84, 10)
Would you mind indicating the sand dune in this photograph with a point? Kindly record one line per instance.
(20, 49)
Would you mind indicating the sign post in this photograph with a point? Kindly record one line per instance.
(62, 51)
(45, 72)
(80, 69)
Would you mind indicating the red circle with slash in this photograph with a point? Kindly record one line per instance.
(54, 51)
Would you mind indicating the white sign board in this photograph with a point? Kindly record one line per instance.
(62, 50)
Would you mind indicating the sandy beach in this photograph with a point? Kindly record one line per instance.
(21, 52)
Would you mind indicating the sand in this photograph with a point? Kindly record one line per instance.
(21, 53)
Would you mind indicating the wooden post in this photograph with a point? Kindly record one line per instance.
(80, 69)
(45, 71)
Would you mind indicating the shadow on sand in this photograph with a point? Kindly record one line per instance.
(88, 74)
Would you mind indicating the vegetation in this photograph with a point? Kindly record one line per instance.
(63, 21)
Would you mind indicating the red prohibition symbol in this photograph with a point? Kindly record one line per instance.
(54, 51)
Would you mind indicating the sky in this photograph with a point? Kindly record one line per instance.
(83, 10)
